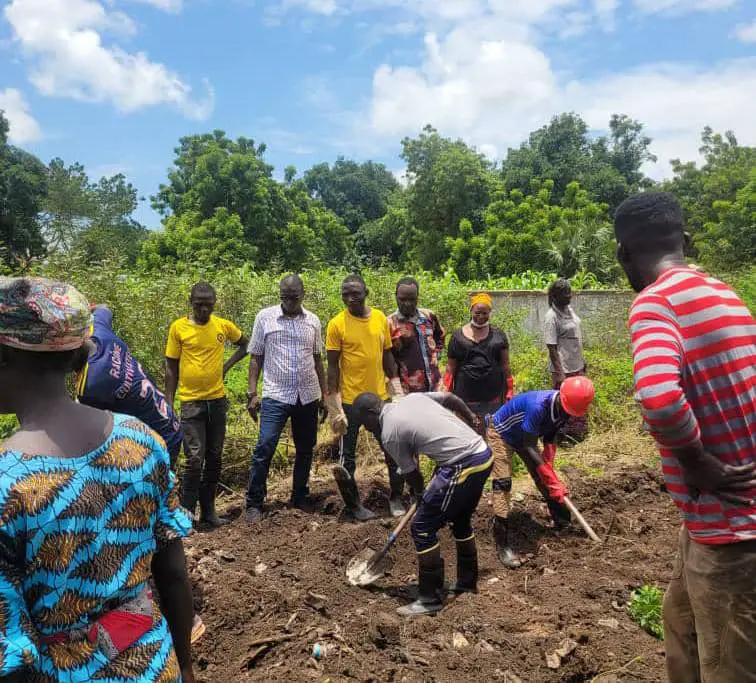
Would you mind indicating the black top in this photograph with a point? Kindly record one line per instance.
(480, 377)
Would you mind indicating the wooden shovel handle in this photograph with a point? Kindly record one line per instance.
(581, 520)
(399, 527)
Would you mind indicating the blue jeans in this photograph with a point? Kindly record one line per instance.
(304, 428)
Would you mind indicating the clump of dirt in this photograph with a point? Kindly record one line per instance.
(278, 608)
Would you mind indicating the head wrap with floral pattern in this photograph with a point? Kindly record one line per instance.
(37, 314)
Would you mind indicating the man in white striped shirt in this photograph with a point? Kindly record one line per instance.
(286, 345)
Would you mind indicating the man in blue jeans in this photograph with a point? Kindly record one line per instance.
(286, 345)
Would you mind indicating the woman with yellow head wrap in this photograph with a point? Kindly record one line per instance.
(478, 372)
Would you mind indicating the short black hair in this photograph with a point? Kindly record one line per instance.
(369, 403)
(410, 281)
(559, 286)
(354, 277)
(202, 288)
(650, 220)
(292, 279)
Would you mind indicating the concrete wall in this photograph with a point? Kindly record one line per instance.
(604, 313)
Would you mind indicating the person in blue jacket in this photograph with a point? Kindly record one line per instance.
(110, 378)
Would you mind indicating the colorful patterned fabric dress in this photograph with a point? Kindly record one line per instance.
(77, 538)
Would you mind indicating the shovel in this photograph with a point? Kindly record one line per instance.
(368, 565)
(581, 520)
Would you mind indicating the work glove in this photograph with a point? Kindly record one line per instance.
(547, 475)
(510, 389)
(395, 388)
(337, 417)
(549, 453)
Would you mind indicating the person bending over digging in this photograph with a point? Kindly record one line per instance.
(520, 423)
(421, 423)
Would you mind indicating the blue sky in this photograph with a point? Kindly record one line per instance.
(115, 83)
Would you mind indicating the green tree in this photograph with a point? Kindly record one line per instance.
(68, 204)
(357, 193)
(729, 242)
(22, 188)
(726, 169)
(382, 242)
(190, 239)
(531, 232)
(210, 172)
(608, 167)
(449, 182)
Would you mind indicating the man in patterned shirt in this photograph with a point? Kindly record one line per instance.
(694, 355)
(416, 337)
(286, 345)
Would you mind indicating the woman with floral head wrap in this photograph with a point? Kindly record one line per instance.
(88, 510)
(478, 372)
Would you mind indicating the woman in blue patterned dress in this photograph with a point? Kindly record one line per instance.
(88, 510)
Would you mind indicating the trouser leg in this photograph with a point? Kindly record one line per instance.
(348, 444)
(194, 426)
(679, 624)
(304, 429)
(273, 416)
(722, 593)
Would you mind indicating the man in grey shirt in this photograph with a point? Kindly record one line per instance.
(423, 423)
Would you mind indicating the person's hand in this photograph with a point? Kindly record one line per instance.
(559, 377)
(704, 472)
(336, 416)
(253, 406)
(396, 391)
(557, 490)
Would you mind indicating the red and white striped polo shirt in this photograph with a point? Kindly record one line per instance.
(694, 355)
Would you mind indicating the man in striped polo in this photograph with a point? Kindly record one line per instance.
(694, 354)
(286, 345)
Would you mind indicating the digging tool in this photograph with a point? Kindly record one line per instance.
(581, 520)
(368, 566)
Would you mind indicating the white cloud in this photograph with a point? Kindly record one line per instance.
(746, 33)
(682, 6)
(23, 126)
(492, 93)
(606, 10)
(172, 6)
(63, 43)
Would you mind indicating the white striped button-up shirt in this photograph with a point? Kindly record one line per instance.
(288, 346)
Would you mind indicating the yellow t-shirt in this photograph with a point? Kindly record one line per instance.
(199, 351)
(362, 342)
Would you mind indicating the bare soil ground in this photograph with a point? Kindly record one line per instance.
(283, 581)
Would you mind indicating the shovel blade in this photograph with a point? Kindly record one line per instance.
(365, 568)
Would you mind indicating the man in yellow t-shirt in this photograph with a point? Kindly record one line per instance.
(194, 366)
(358, 345)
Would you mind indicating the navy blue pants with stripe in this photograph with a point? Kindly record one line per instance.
(451, 498)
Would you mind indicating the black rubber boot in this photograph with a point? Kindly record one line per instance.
(188, 499)
(560, 514)
(467, 568)
(501, 537)
(208, 515)
(396, 483)
(430, 580)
